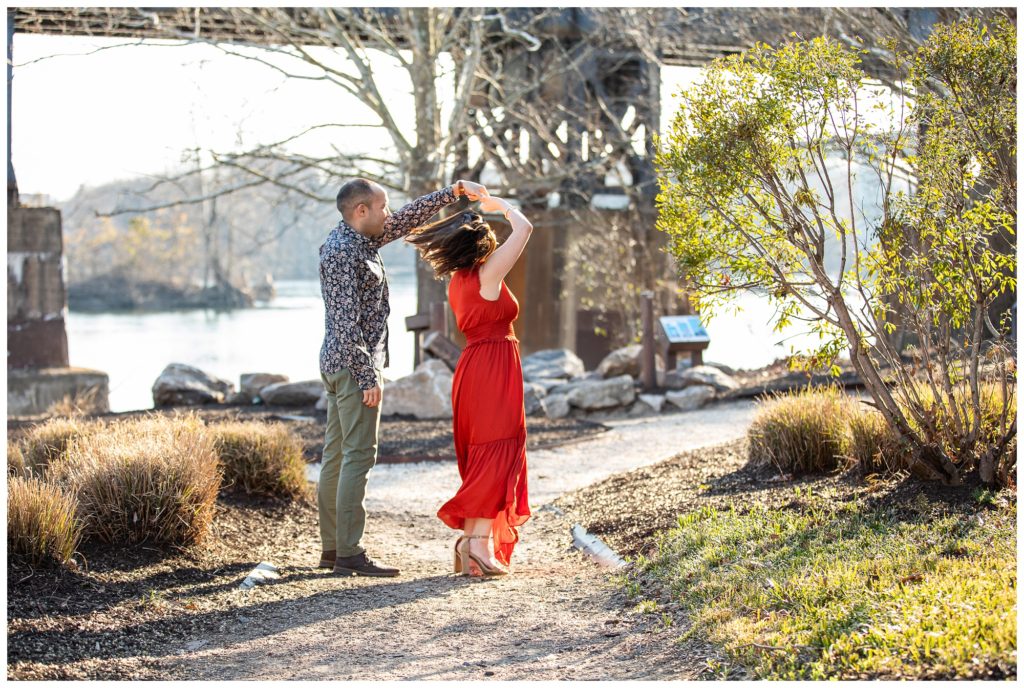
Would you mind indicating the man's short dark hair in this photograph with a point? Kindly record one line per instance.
(354, 192)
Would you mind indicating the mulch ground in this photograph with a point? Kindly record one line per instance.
(124, 603)
(402, 438)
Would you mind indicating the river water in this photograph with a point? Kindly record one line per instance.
(284, 336)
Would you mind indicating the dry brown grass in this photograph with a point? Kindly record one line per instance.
(16, 459)
(261, 458)
(874, 447)
(48, 442)
(42, 525)
(802, 432)
(151, 479)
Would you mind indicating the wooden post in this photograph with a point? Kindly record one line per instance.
(648, 375)
(438, 319)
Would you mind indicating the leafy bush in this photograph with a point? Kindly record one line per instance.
(152, 479)
(756, 174)
(803, 432)
(260, 458)
(42, 525)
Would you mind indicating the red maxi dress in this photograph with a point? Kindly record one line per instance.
(489, 418)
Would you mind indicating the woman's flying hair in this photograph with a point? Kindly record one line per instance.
(454, 243)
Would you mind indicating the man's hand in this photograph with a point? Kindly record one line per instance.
(471, 190)
(371, 397)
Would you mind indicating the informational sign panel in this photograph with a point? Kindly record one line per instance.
(683, 329)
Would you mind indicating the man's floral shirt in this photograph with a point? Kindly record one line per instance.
(355, 290)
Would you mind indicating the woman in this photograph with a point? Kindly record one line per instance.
(487, 389)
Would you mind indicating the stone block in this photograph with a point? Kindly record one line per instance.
(33, 391)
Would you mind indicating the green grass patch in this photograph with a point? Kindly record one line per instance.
(846, 590)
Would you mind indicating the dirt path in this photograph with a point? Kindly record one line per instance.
(557, 617)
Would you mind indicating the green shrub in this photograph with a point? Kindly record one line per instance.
(42, 525)
(802, 432)
(48, 442)
(261, 458)
(152, 479)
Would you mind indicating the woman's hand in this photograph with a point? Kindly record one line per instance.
(471, 190)
(493, 204)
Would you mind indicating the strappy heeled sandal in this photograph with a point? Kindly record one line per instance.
(459, 566)
(485, 567)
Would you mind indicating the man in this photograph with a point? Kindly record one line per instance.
(355, 292)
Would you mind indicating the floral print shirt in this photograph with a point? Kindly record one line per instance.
(355, 290)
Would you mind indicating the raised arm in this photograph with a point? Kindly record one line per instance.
(505, 256)
(418, 212)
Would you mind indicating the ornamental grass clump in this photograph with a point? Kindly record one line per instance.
(48, 442)
(151, 479)
(42, 526)
(260, 458)
(804, 432)
(874, 447)
(15, 459)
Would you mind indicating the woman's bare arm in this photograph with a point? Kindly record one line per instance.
(505, 256)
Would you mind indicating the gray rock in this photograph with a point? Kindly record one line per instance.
(690, 398)
(181, 384)
(556, 406)
(552, 363)
(305, 393)
(624, 361)
(252, 383)
(548, 383)
(707, 375)
(654, 401)
(672, 379)
(321, 404)
(728, 370)
(533, 399)
(239, 398)
(427, 393)
(617, 391)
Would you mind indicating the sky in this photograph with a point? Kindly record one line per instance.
(87, 119)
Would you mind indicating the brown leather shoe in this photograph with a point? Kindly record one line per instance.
(327, 559)
(362, 565)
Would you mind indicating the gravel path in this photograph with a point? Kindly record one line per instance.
(557, 617)
(631, 443)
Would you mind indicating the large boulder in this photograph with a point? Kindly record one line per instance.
(552, 363)
(181, 384)
(426, 393)
(599, 394)
(556, 406)
(252, 383)
(624, 361)
(305, 393)
(533, 398)
(708, 375)
(690, 398)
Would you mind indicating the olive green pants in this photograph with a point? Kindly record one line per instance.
(350, 450)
